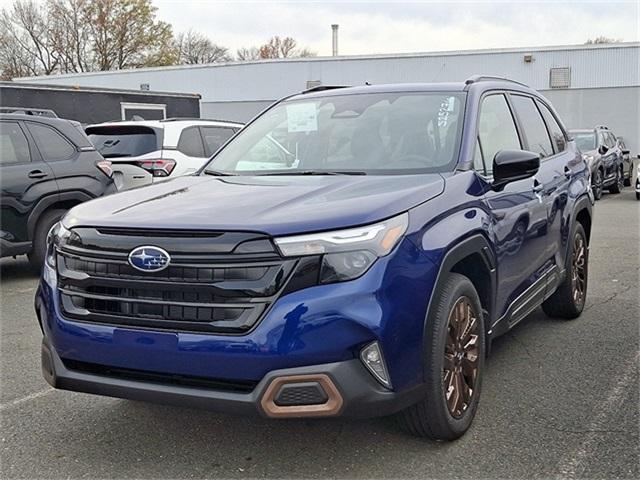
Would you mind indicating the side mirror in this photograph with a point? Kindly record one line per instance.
(512, 165)
(625, 151)
(602, 149)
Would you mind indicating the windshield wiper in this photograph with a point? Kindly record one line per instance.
(217, 173)
(315, 172)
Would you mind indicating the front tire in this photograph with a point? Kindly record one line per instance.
(596, 184)
(39, 249)
(453, 364)
(568, 300)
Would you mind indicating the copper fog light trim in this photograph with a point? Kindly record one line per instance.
(331, 407)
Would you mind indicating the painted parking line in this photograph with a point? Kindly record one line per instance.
(19, 401)
(573, 465)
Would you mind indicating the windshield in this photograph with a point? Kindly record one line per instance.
(123, 141)
(379, 133)
(585, 141)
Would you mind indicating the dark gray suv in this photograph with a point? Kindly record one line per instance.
(604, 155)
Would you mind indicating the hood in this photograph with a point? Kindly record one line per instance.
(276, 205)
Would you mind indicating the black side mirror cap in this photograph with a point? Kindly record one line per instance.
(512, 165)
(602, 149)
(625, 151)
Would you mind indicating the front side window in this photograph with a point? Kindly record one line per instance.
(377, 133)
(51, 144)
(14, 147)
(534, 128)
(496, 128)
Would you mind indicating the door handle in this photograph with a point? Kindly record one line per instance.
(537, 186)
(37, 174)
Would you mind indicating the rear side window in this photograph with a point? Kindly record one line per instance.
(535, 130)
(190, 142)
(14, 147)
(496, 129)
(123, 141)
(215, 137)
(51, 144)
(557, 136)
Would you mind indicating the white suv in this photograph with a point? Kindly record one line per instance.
(147, 151)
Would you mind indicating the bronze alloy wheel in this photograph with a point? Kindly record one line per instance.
(578, 273)
(461, 360)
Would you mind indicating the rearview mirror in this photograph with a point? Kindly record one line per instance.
(512, 165)
(602, 149)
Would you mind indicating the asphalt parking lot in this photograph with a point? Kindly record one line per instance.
(560, 399)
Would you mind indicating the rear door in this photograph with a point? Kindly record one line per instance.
(25, 179)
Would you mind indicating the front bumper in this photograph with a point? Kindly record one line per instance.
(355, 393)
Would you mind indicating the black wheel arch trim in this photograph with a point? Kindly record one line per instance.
(475, 244)
(47, 202)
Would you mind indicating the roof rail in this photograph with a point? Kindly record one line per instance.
(177, 119)
(488, 78)
(320, 88)
(36, 112)
(602, 127)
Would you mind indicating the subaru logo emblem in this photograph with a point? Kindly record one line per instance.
(149, 259)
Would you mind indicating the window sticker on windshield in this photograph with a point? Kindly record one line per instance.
(302, 117)
(446, 107)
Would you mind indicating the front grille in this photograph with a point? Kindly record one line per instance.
(220, 292)
(238, 386)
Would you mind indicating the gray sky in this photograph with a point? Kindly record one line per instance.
(389, 27)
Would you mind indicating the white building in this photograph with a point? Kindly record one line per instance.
(588, 84)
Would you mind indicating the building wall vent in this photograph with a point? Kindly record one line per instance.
(560, 77)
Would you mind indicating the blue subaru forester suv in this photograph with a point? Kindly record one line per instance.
(352, 251)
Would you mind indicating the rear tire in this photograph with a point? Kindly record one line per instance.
(568, 300)
(39, 250)
(619, 183)
(627, 181)
(453, 364)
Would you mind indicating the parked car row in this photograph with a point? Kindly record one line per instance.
(49, 164)
(608, 159)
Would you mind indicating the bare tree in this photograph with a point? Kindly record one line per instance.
(14, 60)
(285, 47)
(252, 53)
(194, 47)
(72, 35)
(26, 24)
(602, 39)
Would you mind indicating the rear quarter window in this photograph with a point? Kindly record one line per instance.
(52, 145)
(123, 140)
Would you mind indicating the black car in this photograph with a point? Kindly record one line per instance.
(47, 166)
(603, 154)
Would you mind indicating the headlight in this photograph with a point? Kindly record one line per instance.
(348, 253)
(58, 235)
